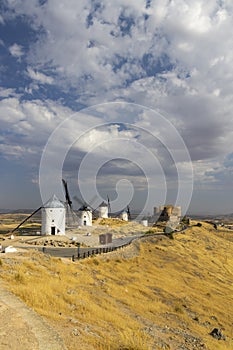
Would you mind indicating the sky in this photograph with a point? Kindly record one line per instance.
(130, 100)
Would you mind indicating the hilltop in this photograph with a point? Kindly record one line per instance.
(158, 293)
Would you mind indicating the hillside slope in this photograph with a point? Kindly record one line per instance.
(158, 293)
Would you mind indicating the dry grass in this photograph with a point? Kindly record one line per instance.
(169, 291)
(113, 222)
(10, 221)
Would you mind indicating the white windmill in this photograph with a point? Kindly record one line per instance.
(53, 215)
(126, 215)
(84, 213)
(103, 210)
(84, 216)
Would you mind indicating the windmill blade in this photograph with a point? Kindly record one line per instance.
(128, 212)
(71, 217)
(67, 195)
(92, 201)
(109, 205)
(28, 217)
(79, 201)
(95, 211)
(84, 204)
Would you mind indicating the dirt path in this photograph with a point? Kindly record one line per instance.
(22, 329)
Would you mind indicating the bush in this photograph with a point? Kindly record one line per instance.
(168, 231)
(186, 220)
(149, 232)
(19, 277)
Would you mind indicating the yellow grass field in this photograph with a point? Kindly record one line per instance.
(158, 293)
(9, 222)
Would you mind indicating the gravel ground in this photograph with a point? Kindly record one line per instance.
(22, 329)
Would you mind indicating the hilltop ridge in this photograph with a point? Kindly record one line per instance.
(158, 293)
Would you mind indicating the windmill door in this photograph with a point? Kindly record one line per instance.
(53, 230)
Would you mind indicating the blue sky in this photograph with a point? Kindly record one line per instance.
(93, 80)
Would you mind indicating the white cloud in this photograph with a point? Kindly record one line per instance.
(7, 92)
(16, 50)
(10, 112)
(109, 51)
(100, 140)
(10, 151)
(172, 56)
(27, 125)
(202, 172)
(86, 47)
(40, 77)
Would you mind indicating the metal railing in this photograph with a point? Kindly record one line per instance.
(96, 251)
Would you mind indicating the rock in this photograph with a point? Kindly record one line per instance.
(217, 334)
(10, 249)
(75, 332)
(214, 318)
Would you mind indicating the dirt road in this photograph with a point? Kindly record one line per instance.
(22, 329)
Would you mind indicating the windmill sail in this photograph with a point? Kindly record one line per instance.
(27, 218)
(109, 205)
(71, 217)
(128, 212)
(67, 195)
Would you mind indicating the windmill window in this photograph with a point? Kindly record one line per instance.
(52, 220)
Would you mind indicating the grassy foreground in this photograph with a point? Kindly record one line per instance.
(156, 294)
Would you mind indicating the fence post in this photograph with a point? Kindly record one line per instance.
(73, 258)
(78, 252)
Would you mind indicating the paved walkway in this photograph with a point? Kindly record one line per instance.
(22, 329)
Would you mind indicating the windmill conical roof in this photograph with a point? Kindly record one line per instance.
(103, 204)
(54, 202)
(84, 208)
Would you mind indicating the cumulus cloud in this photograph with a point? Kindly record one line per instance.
(111, 45)
(97, 47)
(7, 92)
(27, 125)
(40, 77)
(175, 57)
(16, 50)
